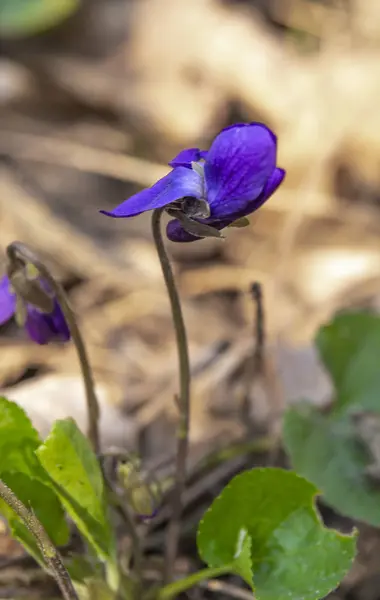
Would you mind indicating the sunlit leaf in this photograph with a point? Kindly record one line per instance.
(269, 516)
(76, 477)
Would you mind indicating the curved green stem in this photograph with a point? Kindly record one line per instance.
(174, 526)
(172, 590)
(18, 252)
(49, 552)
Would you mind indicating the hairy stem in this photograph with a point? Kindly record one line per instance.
(50, 554)
(18, 252)
(174, 526)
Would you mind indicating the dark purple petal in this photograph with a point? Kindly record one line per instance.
(186, 157)
(43, 328)
(58, 323)
(176, 233)
(239, 163)
(7, 301)
(177, 184)
(37, 326)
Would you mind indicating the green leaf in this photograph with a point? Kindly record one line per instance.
(242, 563)
(81, 567)
(292, 554)
(28, 17)
(21, 470)
(76, 477)
(44, 503)
(18, 441)
(95, 589)
(329, 454)
(349, 347)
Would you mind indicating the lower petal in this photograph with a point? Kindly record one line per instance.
(7, 300)
(176, 233)
(177, 184)
(43, 328)
(59, 324)
(37, 326)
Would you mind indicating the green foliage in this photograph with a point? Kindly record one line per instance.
(327, 449)
(350, 348)
(27, 17)
(18, 440)
(95, 589)
(44, 504)
(328, 453)
(265, 528)
(76, 477)
(22, 472)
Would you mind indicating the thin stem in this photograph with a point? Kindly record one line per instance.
(17, 252)
(174, 526)
(172, 590)
(50, 554)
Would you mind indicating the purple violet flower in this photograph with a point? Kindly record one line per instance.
(207, 191)
(42, 327)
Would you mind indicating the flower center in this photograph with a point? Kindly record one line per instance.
(195, 208)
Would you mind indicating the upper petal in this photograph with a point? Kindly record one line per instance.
(177, 184)
(186, 157)
(7, 300)
(239, 163)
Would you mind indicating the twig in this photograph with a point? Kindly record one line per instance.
(258, 355)
(49, 552)
(183, 400)
(17, 252)
(58, 151)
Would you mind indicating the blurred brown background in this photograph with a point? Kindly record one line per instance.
(93, 108)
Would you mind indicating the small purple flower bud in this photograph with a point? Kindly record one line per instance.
(35, 308)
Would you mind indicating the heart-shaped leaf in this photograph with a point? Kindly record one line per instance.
(291, 553)
(349, 347)
(329, 453)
